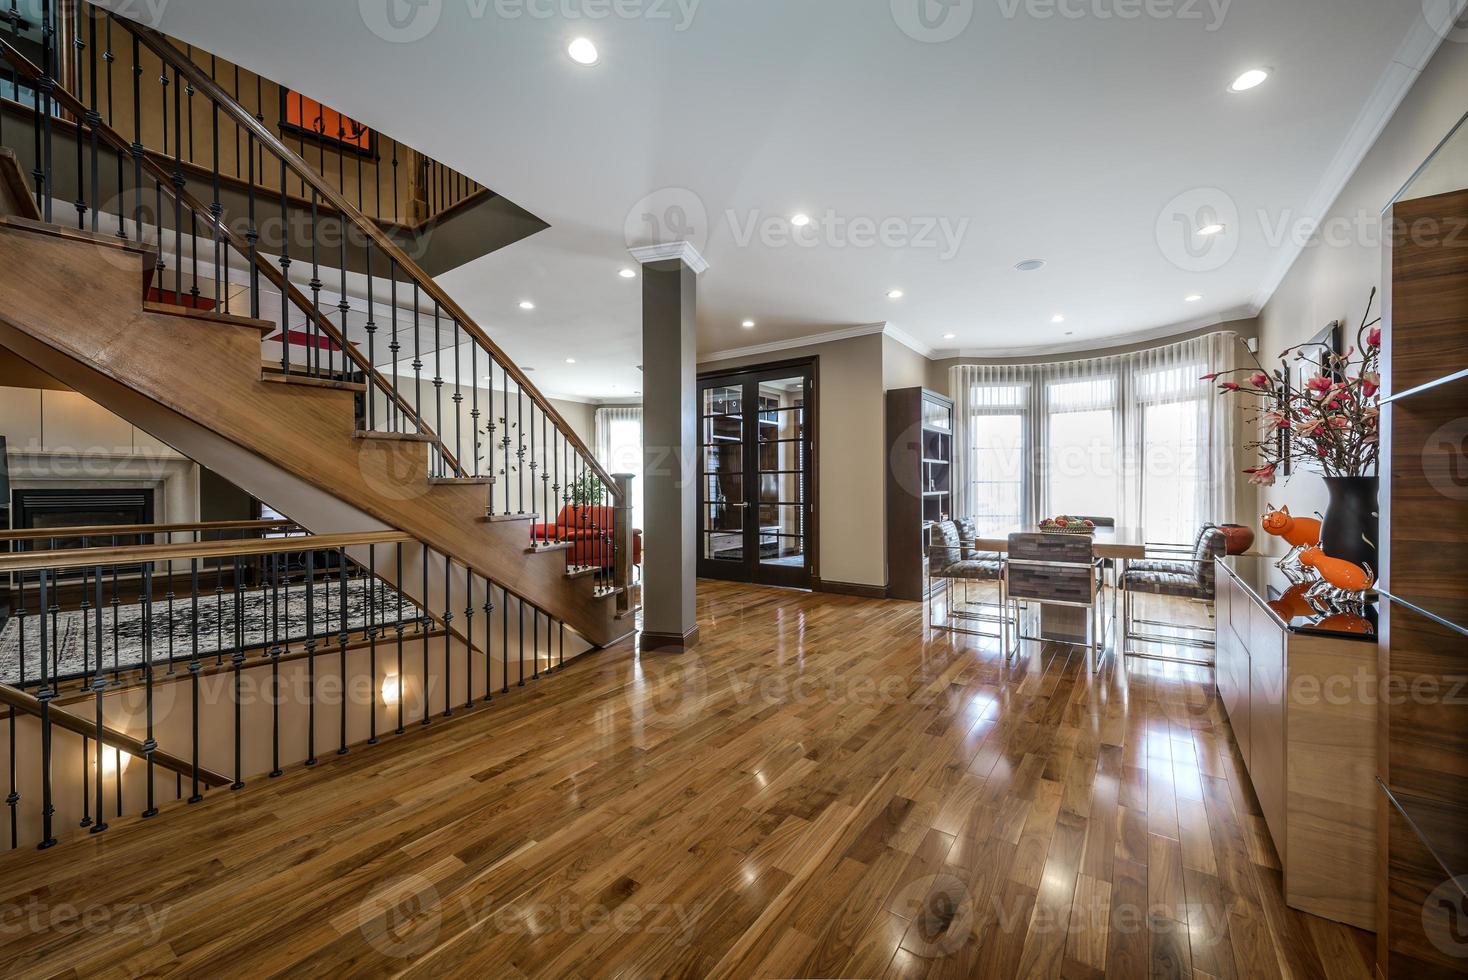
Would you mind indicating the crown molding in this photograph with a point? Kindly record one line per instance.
(1169, 332)
(681, 251)
(1415, 51)
(909, 341)
(774, 346)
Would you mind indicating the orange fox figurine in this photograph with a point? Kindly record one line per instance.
(1293, 603)
(1344, 575)
(1302, 532)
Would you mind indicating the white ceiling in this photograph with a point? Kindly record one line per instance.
(1074, 139)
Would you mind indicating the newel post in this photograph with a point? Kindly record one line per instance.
(622, 524)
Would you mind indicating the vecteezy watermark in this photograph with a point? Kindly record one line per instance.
(932, 21)
(837, 231)
(147, 12)
(1445, 917)
(406, 21)
(669, 214)
(1197, 230)
(1210, 13)
(35, 917)
(401, 918)
(1445, 459)
(1447, 18)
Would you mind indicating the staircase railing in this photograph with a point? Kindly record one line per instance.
(266, 257)
(305, 643)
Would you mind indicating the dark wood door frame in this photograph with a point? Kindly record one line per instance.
(752, 569)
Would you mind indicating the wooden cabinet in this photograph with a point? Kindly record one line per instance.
(1302, 708)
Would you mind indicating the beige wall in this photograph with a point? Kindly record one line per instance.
(849, 507)
(902, 367)
(1331, 281)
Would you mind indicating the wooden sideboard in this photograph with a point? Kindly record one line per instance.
(1301, 698)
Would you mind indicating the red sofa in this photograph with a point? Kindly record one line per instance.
(580, 526)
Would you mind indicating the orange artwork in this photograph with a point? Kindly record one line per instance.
(302, 113)
(1302, 532)
(1341, 574)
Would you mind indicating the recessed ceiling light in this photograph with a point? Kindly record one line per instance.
(570, 360)
(525, 304)
(1058, 318)
(1030, 265)
(1070, 333)
(949, 336)
(1192, 297)
(748, 324)
(628, 273)
(895, 294)
(582, 51)
(1252, 78)
(1211, 229)
(800, 220)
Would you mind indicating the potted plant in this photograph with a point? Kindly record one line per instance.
(1330, 423)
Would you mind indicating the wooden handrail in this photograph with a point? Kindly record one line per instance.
(61, 718)
(34, 561)
(205, 215)
(128, 530)
(201, 82)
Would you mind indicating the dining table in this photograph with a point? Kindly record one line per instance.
(1069, 623)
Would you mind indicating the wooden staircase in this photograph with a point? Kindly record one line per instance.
(72, 304)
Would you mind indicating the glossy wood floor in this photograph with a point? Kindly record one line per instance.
(824, 789)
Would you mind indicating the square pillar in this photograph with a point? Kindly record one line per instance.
(669, 444)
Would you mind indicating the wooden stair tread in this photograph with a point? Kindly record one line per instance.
(536, 549)
(395, 436)
(498, 518)
(16, 196)
(460, 481)
(581, 571)
(78, 235)
(276, 377)
(212, 316)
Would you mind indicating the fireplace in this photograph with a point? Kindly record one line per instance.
(48, 508)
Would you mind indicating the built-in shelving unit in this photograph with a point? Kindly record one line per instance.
(1423, 644)
(919, 482)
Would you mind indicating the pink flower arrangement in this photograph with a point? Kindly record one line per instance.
(1333, 422)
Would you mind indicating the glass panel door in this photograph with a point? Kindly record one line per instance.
(756, 506)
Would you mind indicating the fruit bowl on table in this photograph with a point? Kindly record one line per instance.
(1066, 525)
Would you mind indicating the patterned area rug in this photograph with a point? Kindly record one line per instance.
(74, 648)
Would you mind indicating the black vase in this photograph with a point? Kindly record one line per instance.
(1351, 520)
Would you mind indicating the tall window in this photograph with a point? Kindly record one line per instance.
(619, 448)
(1135, 437)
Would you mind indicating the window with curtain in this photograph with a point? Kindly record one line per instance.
(619, 448)
(1134, 437)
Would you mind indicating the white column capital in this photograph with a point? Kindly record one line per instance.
(682, 251)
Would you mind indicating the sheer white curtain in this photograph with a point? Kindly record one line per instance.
(619, 448)
(1136, 437)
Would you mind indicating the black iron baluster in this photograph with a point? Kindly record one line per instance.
(77, 46)
(424, 622)
(44, 695)
(314, 340)
(237, 658)
(561, 646)
(311, 657)
(116, 626)
(371, 395)
(474, 409)
(438, 388)
(277, 562)
(45, 85)
(194, 668)
(94, 117)
(520, 447)
(342, 636)
(136, 149)
(505, 638)
(109, 57)
(533, 469)
(285, 272)
(547, 518)
(520, 605)
(399, 627)
(488, 640)
(252, 230)
(535, 643)
(458, 408)
(417, 360)
(216, 214)
(178, 186)
(99, 688)
(343, 306)
(149, 745)
(373, 583)
(448, 636)
(468, 637)
(13, 799)
(393, 347)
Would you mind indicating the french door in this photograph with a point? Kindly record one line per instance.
(756, 514)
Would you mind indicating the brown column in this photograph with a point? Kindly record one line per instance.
(669, 444)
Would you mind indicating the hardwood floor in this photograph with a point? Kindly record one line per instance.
(820, 789)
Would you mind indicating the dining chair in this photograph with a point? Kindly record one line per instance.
(953, 557)
(1056, 569)
(1179, 572)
